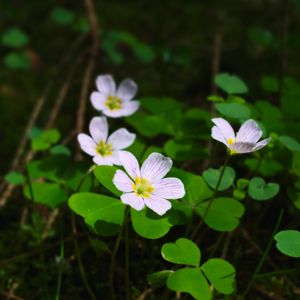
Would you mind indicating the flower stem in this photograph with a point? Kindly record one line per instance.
(113, 259)
(76, 245)
(264, 256)
(79, 260)
(127, 256)
(61, 261)
(197, 228)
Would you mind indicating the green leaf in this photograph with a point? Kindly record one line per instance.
(15, 178)
(183, 251)
(260, 190)
(215, 98)
(260, 36)
(288, 242)
(190, 280)
(165, 104)
(100, 246)
(145, 124)
(296, 163)
(34, 133)
(184, 211)
(49, 194)
(267, 167)
(52, 136)
(105, 175)
(103, 214)
(270, 83)
(81, 24)
(143, 52)
(40, 145)
(137, 149)
(290, 143)
(184, 149)
(17, 60)
(198, 114)
(158, 279)
(60, 149)
(223, 214)
(242, 183)
(231, 84)
(269, 113)
(45, 140)
(288, 101)
(60, 169)
(234, 110)
(212, 176)
(62, 16)
(239, 194)
(150, 225)
(221, 275)
(15, 38)
(195, 186)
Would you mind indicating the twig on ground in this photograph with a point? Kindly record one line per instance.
(9, 296)
(267, 293)
(94, 30)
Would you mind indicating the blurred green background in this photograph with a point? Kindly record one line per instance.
(170, 48)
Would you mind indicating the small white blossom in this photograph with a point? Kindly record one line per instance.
(246, 139)
(112, 101)
(105, 150)
(146, 186)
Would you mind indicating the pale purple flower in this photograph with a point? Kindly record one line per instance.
(112, 101)
(146, 186)
(246, 139)
(105, 149)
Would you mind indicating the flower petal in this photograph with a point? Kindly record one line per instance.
(158, 204)
(262, 144)
(156, 166)
(127, 109)
(249, 132)
(106, 160)
(133, 200)
(87, 144)
(130, 164)
(217, 135)
(99, 129)
(123, 182)
(169, 188)
(121, 139)
(98, 100)
(241, 147)
(116, 113)
(106, 85)
(225, 128)
(127, 89)
(130, 107)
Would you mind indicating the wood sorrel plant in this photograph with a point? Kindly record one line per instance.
(158, 196)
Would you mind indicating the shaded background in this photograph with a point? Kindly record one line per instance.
(171, 49)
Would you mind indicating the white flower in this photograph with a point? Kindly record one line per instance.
(146, 186)
(105, 150)
(246, 139)
(115, 102)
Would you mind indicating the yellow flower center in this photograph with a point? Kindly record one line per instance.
(230, 141)
(113, 102)
(104, 149)
(142, 187)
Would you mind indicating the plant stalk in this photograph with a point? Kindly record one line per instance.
(198, 227)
